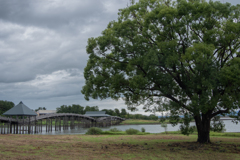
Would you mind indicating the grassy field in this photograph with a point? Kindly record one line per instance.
(117, 147)
(140, 121)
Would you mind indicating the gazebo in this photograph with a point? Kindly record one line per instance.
(24, 112)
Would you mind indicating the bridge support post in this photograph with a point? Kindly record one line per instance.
(23, 125)
(17, 126)
(41, 126)
(10, 125)
(29, 125)
(35, 125)
(55, 120)
(50, 126)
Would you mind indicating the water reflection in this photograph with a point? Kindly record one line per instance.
(230, 127)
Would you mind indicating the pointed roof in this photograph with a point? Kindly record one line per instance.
(20, 110)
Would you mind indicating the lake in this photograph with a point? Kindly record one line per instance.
(151, 128)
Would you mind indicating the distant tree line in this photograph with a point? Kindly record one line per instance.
(40, 108)
(78, 109)
(5, 106)
(125, 114)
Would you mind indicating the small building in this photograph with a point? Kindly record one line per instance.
(96, 114)
(44, 112)
(23, 115)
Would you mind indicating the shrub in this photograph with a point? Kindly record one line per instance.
(115, 130)
(94, 131)
(143, 129)
(132, 131)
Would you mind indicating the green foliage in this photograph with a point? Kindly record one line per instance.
(94, 131)
(77, 109)
(217, 125)
(40, 108)
(113, 133)
(185, 127)
(143, 133)
(143, 117)
(143, 129)
(93, 108)
(178, 56)
(123, 113)
(117, 112)
(131, 131)
(224, 134)
(5, 106)
(115, 130)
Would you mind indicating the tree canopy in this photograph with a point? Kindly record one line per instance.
(76, 108)
(40, 108)
(180, 56)
(5, 106)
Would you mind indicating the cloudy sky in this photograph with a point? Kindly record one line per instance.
(42, 49)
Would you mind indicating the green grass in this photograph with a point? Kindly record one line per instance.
(227, 134)
(139, 121)
(122, 133)
(212, 134)
(101, 147)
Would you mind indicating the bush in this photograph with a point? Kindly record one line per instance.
(94, 131)
(132, 131)
(115, 130)
(143, 129)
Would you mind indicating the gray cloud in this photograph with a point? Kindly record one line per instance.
(42, 49)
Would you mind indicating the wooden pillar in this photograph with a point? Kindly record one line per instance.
(41, 125)
(60, 123)
(17, 126)
(1, 127)
(55, 123)
(8, 128)
(29, 125)
(35, 124)
(23, 125)
(10, 125)
(50, 122)
(4, 128)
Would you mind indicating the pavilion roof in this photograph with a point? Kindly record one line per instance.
(20, 110)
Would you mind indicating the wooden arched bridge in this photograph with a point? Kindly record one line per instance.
(56, 121)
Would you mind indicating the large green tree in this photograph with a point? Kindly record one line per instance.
(180, 56)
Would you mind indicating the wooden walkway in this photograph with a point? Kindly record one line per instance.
(57, 122)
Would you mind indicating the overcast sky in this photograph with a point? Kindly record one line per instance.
(43, 49)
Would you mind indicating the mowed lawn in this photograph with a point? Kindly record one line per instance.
(139, 121)
(116, 147)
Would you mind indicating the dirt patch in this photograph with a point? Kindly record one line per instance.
(216, 147)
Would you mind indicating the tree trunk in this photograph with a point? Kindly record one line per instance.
(203, 127)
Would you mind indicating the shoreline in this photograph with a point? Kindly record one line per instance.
(160, 123)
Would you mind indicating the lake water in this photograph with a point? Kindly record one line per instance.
(155, 128)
